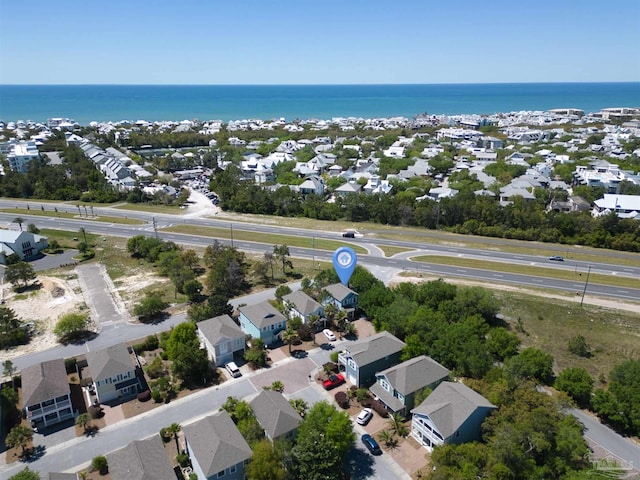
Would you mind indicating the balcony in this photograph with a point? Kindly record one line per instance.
(343, 357)
(40, 412)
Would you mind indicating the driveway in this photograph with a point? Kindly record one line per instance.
(100, 295)
(50, 261)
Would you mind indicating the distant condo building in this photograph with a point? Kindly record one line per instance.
(19, 154)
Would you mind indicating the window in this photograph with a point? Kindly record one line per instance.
(232, 469)
(221, 474)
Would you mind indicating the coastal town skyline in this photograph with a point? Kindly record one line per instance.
(286, 42)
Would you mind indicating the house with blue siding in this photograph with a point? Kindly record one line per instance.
(262, 321)
(452, 413)
(342, 297)
(396, 387)
(364, 358)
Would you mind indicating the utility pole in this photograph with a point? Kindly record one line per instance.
(155, 227)
(231, 226)
(585, 285)
(313, 253)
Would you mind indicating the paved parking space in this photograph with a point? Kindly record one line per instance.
(297, 375)
(103, 301)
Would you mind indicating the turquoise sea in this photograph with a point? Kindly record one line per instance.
(86, 103)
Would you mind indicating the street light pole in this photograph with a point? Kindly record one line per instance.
(231, 225)
(313, 253)
(585, 285)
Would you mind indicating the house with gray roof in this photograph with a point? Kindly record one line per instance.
(221, 337)
(362, 359)
(453, 413)
(46, 395)
(113, 371)
(25, 244)
(342, 297)
(216, 448)
(141, 460)
(301, 305)
(396, 387)
(262, 321)
(276, 415)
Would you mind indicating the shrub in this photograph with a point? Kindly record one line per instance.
(157, 396)
(182, 459)
(362, 394)
(100, 464)
(144, 396)
(578, 346)
(70, 365)
(94, 411)
(334, 357)
(342, 400)
(379, 409)
(165, 435)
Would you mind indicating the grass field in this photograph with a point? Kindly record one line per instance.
(70, 212)
(614, 335)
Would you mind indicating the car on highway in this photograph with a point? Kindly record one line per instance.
(371, 444)
(333, 381)
(329, 334)
(364, 416)
(556, 258)
(349, 235)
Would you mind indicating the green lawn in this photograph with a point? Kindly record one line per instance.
(70, 212)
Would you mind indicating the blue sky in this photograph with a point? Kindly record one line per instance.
(325, 42)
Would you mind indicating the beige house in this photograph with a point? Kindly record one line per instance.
(113, 370)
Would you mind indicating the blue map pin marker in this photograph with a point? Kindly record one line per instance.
(344, 262)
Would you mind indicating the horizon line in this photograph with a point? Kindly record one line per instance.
(302, 84)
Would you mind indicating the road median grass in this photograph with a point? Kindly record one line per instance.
(70, 214)
(258, 237)
(560, 274)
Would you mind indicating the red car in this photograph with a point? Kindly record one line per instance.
(333, 381)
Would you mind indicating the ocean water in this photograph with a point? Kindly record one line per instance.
(86, 103)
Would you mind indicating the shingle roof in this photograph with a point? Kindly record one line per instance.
(374, 348)
(219, 329)
(302, 302)
(339, 291)
(275, 413)
(216, 443)
(449, 406)
(109, 362)
(44, 381)
(262, 314)
(141, 460)
(415, 374)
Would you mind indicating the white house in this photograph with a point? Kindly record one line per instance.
(221, 337)
(26, 245)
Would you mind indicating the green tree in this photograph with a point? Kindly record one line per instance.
(624, 384)
(578, 346)
(396, 424)
(501, 343)
(530, 363)
(9, 370)
(31, 228)
(266, 463)
(189, 361)
(289, 337)
(150, 306)
(300, 406)
(20, 272)
(281, 252)
(173, 430)
(11, 331)
(100, 464)
(199, 312)
(577, 383)
(71, 326)
(83, 421)
(26, 474)
(19, 436)
(256, 355)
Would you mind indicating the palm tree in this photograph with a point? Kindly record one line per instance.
(300, 406)
(396, 423)
(83, 421)
(289, 337)
(388, 438)
(313, 324)
(84, 234)
(19, 436)
(350, 330)
(19, 221)
(173, 431)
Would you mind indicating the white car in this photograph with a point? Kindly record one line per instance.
(329, 334)
(364, 416)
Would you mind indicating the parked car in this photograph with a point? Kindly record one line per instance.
(556, 258)
(329, 334)
(233, 369)
(364, 416)
(371, 444)
(333, 381)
